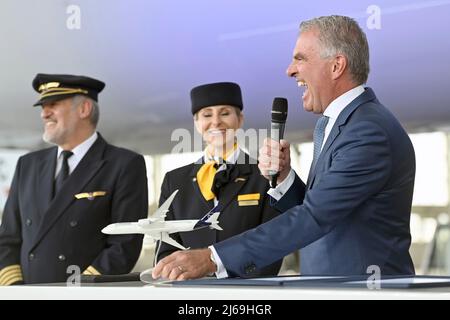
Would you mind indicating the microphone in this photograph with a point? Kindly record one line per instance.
(279, 115)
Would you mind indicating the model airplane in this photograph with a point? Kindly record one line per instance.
(159, 229)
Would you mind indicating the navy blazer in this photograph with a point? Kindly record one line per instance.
(45, 236)
(355, 209)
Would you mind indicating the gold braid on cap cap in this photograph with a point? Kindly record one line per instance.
(53, 89)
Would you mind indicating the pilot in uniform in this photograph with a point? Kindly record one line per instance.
(225, 176)
(62, 197)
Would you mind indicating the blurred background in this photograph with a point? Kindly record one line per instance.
(151, 53)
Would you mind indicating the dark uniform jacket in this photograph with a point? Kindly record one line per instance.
(44, 236)
(244, 204)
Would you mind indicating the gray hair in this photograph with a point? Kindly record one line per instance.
(95, 112)
(342, 35)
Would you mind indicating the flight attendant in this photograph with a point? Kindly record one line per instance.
(225, 176)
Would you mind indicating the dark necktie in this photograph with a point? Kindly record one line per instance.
(63, 173)
(319, 133)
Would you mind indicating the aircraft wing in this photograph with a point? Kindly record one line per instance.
(161, 212)
(167, 239)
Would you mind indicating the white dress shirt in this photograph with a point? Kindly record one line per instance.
(332, 111)
(78, 153)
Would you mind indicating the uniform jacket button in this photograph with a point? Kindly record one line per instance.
(73, 223)
(28, 222)
(250, 269)
(61, 257)
(31, 256)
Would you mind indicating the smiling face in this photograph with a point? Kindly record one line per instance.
(67, 122)
(217, 125)
(60, 121)
(312, 72)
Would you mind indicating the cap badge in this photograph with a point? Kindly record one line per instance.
(48, 85)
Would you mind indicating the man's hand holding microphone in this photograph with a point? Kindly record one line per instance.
(274, 156)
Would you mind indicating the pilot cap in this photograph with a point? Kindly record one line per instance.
(214, 94)
(54, 87)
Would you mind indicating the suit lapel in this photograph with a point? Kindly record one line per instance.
(83, 173)
(44, 181)
(342, 119)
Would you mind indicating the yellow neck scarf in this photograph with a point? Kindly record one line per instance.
(205, 176)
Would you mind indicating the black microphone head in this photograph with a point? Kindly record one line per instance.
(279, 110)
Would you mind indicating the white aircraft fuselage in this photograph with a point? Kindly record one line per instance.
(159, 229)
(151, 228)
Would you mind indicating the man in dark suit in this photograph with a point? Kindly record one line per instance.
(61, 197)
(354, 210)
(231, 182)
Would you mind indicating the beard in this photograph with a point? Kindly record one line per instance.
(56, 137)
